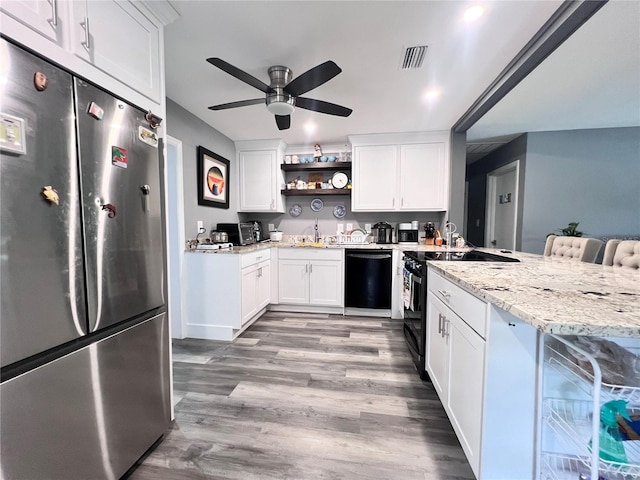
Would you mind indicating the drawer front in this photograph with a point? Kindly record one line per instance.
(471, 309)
(248, 259)
(310, 253)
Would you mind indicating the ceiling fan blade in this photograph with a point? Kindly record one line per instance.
(312, 78)
(242, 103)
(240, 75)
(283, 121)
(323, 107)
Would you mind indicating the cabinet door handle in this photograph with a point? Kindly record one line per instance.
(306, 268)
(87, 36)
(393, 202)
(54, 13)
(311, 268)
(402, 201)
(273, 204)
(445, 327)
(446, 295)
(440, 323)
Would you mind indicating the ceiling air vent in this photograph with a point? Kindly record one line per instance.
(413, 57)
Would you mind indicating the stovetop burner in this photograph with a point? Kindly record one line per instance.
(469, 256)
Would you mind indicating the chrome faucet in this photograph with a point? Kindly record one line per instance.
(317, 234)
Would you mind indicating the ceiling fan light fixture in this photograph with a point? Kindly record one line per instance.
(281, 104)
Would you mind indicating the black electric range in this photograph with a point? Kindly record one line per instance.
(415, 279)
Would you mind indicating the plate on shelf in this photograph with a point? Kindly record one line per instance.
(295, 210)
(316, 204)
(339, 211)
(340, 180)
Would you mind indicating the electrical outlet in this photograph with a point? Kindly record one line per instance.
(201, 226)
(349, 227)
(272, 227)
(367, 227)
(340, 228)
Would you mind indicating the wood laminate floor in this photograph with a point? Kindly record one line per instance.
(305, 396)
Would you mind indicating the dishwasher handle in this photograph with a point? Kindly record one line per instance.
(369, 256)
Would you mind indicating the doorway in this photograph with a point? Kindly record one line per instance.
(502, 206)
(175, 234)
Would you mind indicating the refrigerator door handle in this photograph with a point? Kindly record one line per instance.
(146, 190)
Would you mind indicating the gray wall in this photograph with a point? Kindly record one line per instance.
(586, 176)
(457, 181)
(477, 190)
(193, 132)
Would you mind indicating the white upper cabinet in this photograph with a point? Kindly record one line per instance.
(423, 177)
(259, 176)
(113, 43)
(375, 178)
(120, 40)
(400, 172)
(48, 18)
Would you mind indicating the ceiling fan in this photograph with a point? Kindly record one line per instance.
(283, 95)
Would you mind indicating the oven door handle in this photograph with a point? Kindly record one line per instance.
(416, 279)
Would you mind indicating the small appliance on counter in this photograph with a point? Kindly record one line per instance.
(258, 232)
(407, 235)
(238, 233)
(219, 237)
(382, 232)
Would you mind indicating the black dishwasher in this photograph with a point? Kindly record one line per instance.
(368, 279)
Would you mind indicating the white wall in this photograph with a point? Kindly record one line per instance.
(193, 132)
(586, 176)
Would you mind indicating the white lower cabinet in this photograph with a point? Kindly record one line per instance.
(224, 292)
(256, 289)
(311, 277)
(455, 362)
(483, 364)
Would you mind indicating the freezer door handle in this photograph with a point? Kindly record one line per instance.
(146, 190)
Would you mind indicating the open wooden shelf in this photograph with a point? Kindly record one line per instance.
(317, 192)
(298, 167)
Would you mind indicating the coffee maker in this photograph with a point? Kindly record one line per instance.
(407, 234)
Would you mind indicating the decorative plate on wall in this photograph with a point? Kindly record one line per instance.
(316, 204)
(295, 210)
(339, 211)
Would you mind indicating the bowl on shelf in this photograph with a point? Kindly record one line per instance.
(331, 158)
(324, 158)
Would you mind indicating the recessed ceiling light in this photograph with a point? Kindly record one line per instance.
(310, 127)
(431, 94)
(473, 13)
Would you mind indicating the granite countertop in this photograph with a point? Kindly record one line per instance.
(292, 244)
(555, 295)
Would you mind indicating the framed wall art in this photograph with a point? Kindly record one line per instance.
(213, 179)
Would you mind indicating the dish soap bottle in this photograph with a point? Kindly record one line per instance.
(611, 446)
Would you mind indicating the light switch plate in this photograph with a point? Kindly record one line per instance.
(349, 227)
(272, 227)
(367, 227)
(340, 228)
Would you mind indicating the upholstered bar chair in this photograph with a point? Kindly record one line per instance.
(579, 249)
(622, 253)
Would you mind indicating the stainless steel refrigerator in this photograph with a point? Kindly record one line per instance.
(85, 367)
